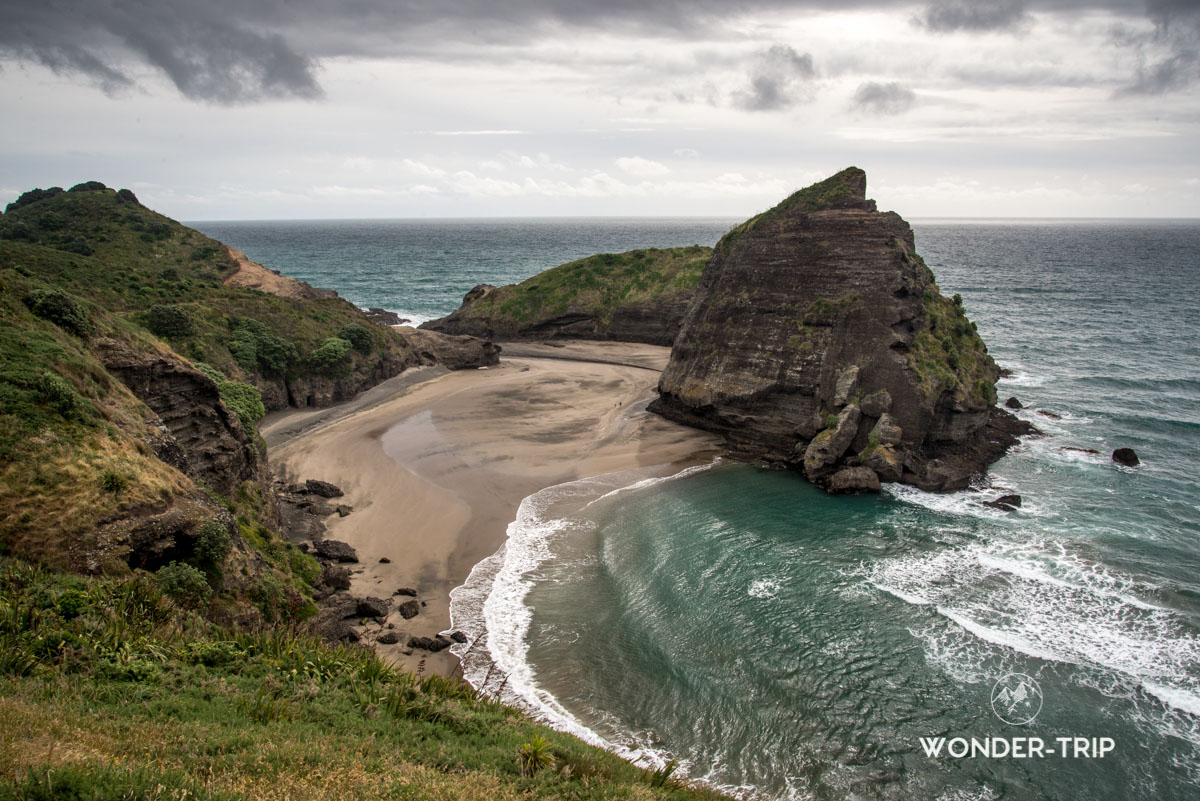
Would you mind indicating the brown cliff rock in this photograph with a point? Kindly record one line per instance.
(200, 436)
(814, 325)
(453, 352)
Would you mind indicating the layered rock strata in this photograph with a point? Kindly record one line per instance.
(818, 339)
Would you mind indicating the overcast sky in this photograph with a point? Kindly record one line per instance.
(261, 109)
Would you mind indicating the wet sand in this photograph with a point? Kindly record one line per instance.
(437, 468)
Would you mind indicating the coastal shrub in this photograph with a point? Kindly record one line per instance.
(329, 353)
(33, 196)
(174, 322)
(60, 394)
(183, 583)
(257, 348)
(78, 245)
(216, 375)
(112, 481)
(357, 336)
(243, 400)
(127, 196)
(213, 544)
(51, 221)
(59, 308)
(88, 186)
(534, 755)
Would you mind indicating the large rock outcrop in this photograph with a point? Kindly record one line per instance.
(639, 296)
(818, 338)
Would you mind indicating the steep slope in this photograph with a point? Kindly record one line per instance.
(818, 338)
(135, 357)
(639, 296)
(300, 346)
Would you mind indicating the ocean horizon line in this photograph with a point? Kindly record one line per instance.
(667, 217)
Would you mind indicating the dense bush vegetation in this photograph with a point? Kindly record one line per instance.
(61, 309)
(170, 322)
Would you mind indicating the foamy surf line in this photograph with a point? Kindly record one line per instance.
(489, 607)
(1041, 600)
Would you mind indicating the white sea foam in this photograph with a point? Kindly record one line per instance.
(413, 318)
(490, 606)
(763, 588)
(1043, 599)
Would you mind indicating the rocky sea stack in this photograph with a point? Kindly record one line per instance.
(818, 339)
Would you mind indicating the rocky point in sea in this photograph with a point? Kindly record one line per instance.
(818, 339)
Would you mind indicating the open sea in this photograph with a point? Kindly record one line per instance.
(789, 644)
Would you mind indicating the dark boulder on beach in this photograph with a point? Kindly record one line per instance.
(433, 644)
(409, 591)
(409, 609)
(458, 636)
(335, 577)
(323, 488)
(372, 607)
(816, 331)
(335, 550)
(1126, 457)
(388, 638)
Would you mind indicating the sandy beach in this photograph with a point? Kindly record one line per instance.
(436, 464)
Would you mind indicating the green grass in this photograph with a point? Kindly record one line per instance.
(596, 286)
(168, 278)
(108, 684)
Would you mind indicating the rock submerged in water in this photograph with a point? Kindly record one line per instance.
(1126, 457)
(818, 339)
(1013, 403)
(1005, 503)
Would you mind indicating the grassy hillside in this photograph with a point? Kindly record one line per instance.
(594, 287)
(103, 245)
(119, 689)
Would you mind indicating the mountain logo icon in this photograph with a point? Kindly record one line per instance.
(1016, 699)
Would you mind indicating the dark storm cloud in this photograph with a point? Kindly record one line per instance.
(1170, 55)
(779, 78)
(883, 98)
(236, 51)
(208, 55)
(973, 15)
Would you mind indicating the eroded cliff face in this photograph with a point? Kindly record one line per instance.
(818, 339)
(200, 437)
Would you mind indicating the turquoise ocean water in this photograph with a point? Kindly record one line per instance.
(771, 638)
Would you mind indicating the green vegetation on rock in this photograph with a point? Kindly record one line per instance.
(595, 286)
(95, 243)
(847, 186)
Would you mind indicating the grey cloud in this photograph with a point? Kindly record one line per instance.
(973, 15)
(237, 51)
(206, 53)
(1170, 56)
(779, 78)
(883, 98)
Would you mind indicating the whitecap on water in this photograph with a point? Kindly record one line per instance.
(763, 588)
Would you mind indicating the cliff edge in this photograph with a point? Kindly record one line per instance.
(817, 338)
